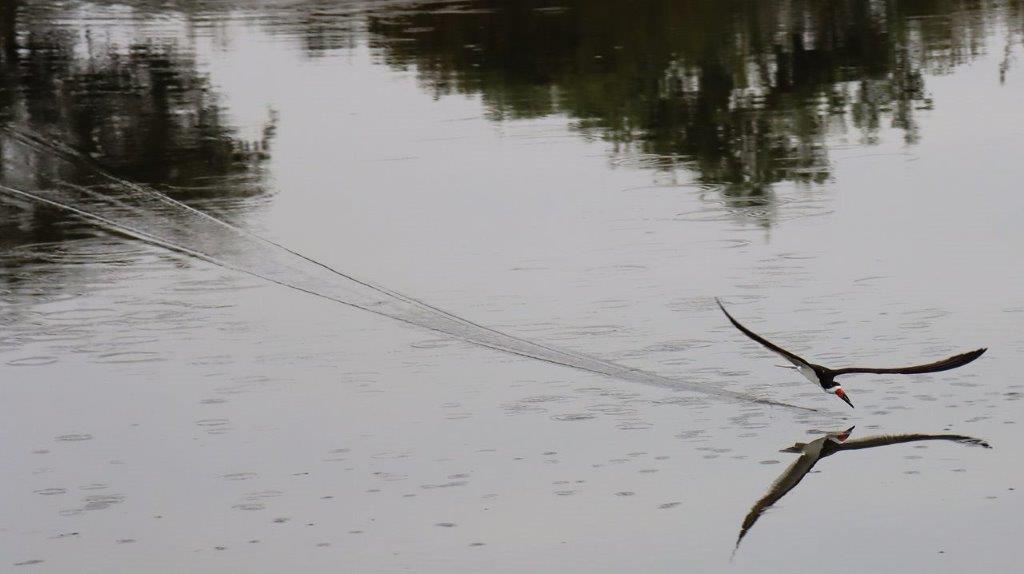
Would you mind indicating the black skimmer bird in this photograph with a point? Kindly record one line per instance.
(831, 443)
(826, 377)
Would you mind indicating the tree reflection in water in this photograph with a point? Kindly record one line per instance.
(140, 107)
(744, 93)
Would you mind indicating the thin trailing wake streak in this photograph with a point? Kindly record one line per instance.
(143, 213)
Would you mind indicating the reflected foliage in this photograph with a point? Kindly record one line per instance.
(131, 97)
(743, 92)
(124, 89)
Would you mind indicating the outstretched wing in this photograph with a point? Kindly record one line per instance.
(943, 365)
(791, 357)
(812, 452)
(884, 440)
(782, 485)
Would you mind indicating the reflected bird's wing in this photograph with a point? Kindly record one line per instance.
(815, 451)
(884, 440)
(943, 365)
(782, 485)
(791, 357)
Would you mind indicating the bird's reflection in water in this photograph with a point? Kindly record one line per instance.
(831, 443)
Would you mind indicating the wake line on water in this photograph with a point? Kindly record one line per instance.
(145, 214)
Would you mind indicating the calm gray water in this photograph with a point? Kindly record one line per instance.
(572, 183)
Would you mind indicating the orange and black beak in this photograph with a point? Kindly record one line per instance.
(842, 394)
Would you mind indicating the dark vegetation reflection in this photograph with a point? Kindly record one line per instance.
(132, 100)
(831, 443)
(140, 107)
(744, 93)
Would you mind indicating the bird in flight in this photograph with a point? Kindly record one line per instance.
(831, 443)
(825, 376)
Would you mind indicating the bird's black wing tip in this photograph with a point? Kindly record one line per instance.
(722, 307)
(976, 442)
(973, 355)
(739, 539)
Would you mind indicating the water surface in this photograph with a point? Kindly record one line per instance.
(586, 176)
